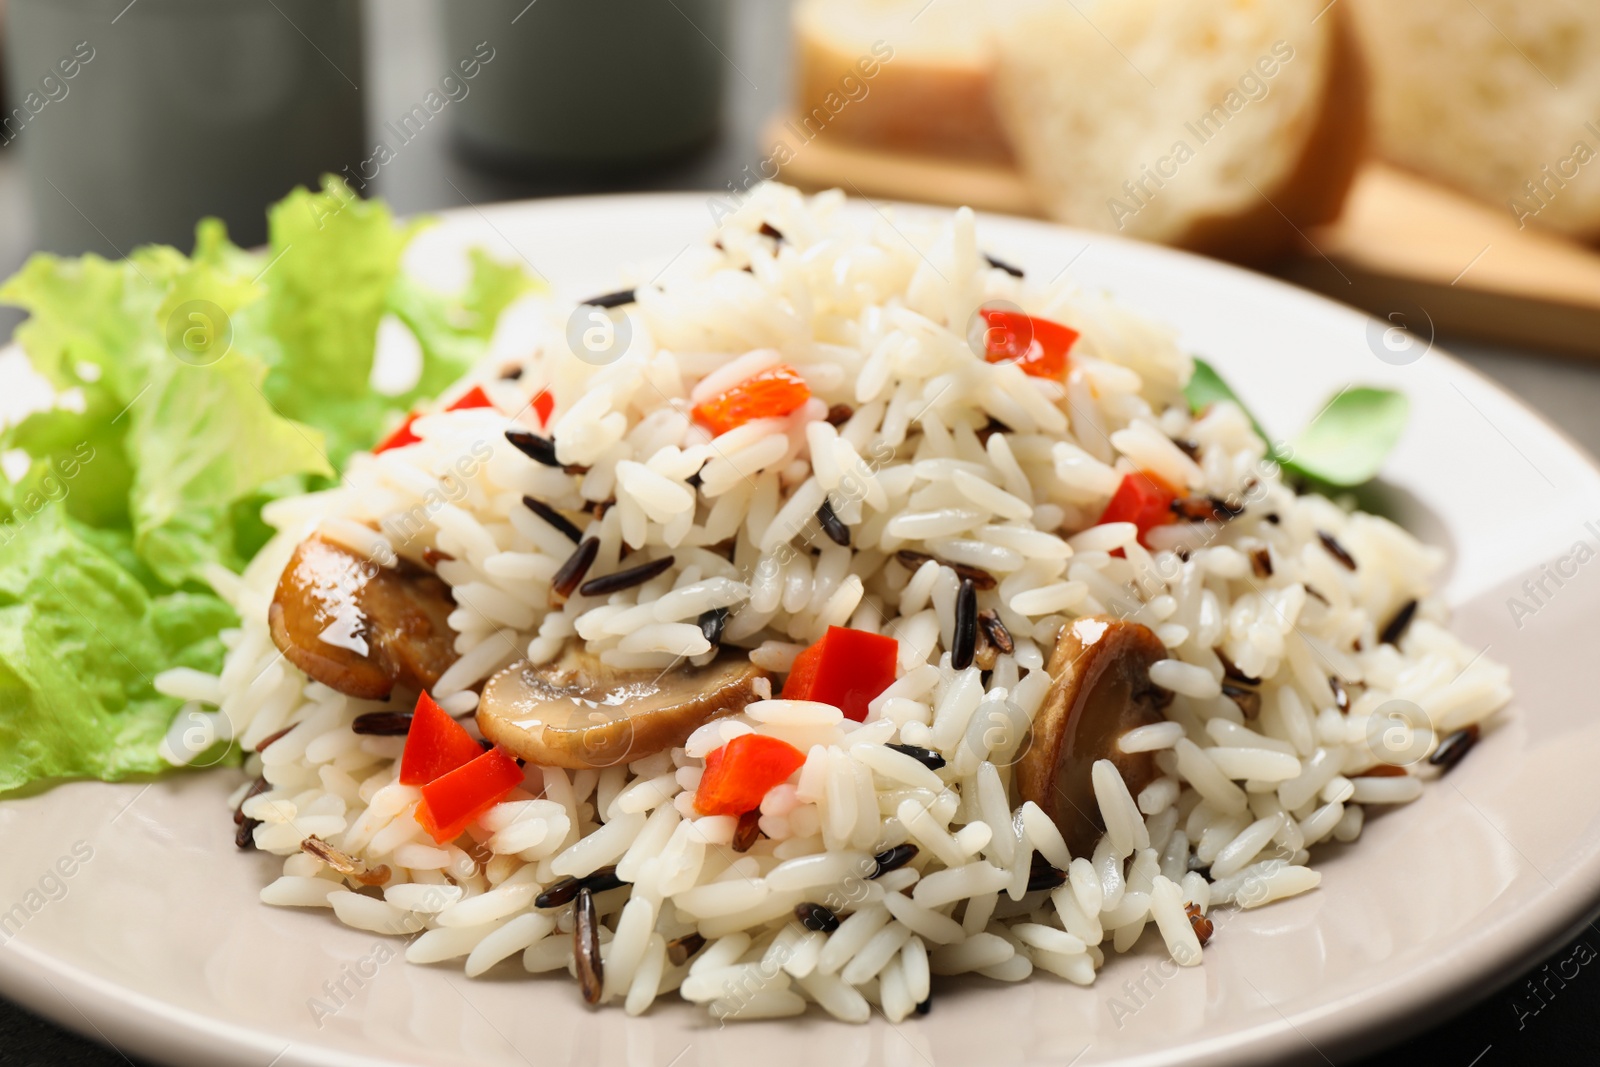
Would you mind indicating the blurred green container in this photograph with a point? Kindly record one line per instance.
(134, 120)
(588, 86)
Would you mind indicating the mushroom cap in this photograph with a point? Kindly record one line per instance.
(1100, 689)
(577, 712)
(360, 628)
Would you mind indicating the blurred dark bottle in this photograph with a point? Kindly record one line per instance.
(582, 87)
(134, 120)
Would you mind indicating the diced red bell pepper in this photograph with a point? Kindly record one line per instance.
(472, 398)
(773, 393)
(452, 801)
(435, 745)
(1143, 499)
(847, 669)
(738, 774)
(401, 437)
(1038, 346)
(543, 405)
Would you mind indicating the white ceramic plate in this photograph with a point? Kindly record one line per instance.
(157, 942)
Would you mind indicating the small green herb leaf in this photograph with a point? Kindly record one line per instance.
(1346, 444)
(1207, 387)
(1343, 446)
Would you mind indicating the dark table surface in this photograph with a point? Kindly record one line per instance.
(1558, 1023)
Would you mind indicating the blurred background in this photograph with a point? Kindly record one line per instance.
(1432, 163)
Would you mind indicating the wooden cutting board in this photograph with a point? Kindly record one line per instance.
(1404, 248)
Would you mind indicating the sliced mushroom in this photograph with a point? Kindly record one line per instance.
(1100, 690)
(577, 712)
(360, 628)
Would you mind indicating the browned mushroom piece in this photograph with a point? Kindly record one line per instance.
(1100, 689)
(360, 628)
(577, 712)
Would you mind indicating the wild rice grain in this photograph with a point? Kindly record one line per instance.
(351, 868)
(966, 637)
(816, 917)
(712, 623)
(995, 632)
(837, 531)
(1454, 748)
(1042, 876)
(1397, 626)
(681, 949)
(382, 724)
(245, 837)
(1015, 272)
(925, 756)
(1206, 509)
(620, 298)
(749, 828)
(553, 517)
(1336, 550)
(257, 787)
(577, 565)
(539, 449)
(1341, 695)
(980, 578)
(1231, 671)
(566, 890)
(266, 742)
(586, 947)
(617, 581)
(1248, 700)
(892, 859)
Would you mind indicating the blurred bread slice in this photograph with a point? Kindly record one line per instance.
(908, 76)
(1499, 98)
(1225, 127)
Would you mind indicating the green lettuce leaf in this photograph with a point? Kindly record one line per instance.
(80, 642)
(93, 323)
(335, 273)
(84, 453)
(334, 259)
(195, 389)
(203, 439)
(203, 435)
